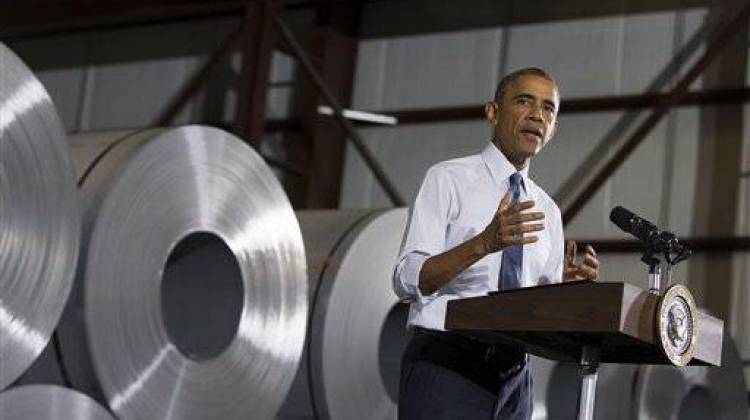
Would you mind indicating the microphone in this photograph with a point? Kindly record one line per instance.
(655, 239)
(632, 224)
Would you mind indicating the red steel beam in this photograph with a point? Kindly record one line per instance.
(357, 141)
(718, 244)
(258, 43)
(570, 106)
(285, 166)
(44, 17)
(582, 105)
(322, 144)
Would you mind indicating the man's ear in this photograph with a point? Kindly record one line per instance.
(554, 128)
(491, 112)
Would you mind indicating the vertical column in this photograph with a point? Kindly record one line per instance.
(321, 144)
(718, 173)
(257, 48)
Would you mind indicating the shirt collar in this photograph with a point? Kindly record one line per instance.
(500, 167)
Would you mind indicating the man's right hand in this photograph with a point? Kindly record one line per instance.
(507, 228)
(510, 224)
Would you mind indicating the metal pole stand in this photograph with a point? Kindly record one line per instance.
(589, 366)
(658, 270)
(654, 279)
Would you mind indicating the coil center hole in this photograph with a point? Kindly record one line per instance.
(201, 296)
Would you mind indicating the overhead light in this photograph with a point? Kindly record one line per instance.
(361, 116)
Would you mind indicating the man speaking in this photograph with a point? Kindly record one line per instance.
(479, 224)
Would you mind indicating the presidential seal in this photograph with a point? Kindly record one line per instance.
(677, 324)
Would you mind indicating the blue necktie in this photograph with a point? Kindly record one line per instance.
(510, 268)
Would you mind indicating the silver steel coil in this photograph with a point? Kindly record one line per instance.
(162, 208)
(554, 389)
(693, 392)
(357, 328)
(645, 392)
(39, 218)
(49, 402)
(557, 387)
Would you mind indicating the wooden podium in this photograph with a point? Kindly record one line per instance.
(585, 322)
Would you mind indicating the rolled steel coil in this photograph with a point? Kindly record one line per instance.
(39, 218)
(693, 392)
(645, 392)
(161, 207)
(357, 330)
(49, 402)
(557, 387)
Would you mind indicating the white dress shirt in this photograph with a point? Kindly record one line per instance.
(457, 200)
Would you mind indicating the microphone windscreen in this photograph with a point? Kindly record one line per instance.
(622, 217)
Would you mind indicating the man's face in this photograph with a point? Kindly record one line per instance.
(525, 118)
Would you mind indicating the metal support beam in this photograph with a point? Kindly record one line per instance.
(703, 245)
(286, 166)
(324, 142)
(48, 17)
(191, 86)
(571, 106)
(327, 95)
(582, 105)
(257, 49)
(320, 145)
(430, 16)
(712, 50)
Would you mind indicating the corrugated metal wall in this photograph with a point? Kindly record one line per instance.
(741, 285)
(124, 78)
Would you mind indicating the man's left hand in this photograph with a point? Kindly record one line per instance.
(588, 269)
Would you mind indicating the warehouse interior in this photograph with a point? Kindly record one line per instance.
(299, 234)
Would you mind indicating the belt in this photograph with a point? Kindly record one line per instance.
(500, 356)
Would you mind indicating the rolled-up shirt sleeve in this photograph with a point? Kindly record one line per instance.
(425, 233)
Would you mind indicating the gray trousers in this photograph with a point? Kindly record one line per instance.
(449, 376)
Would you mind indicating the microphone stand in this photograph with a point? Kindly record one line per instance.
(663, 252)
(659, 273)
(656, 269)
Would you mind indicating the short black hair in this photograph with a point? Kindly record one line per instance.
(512, 77)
